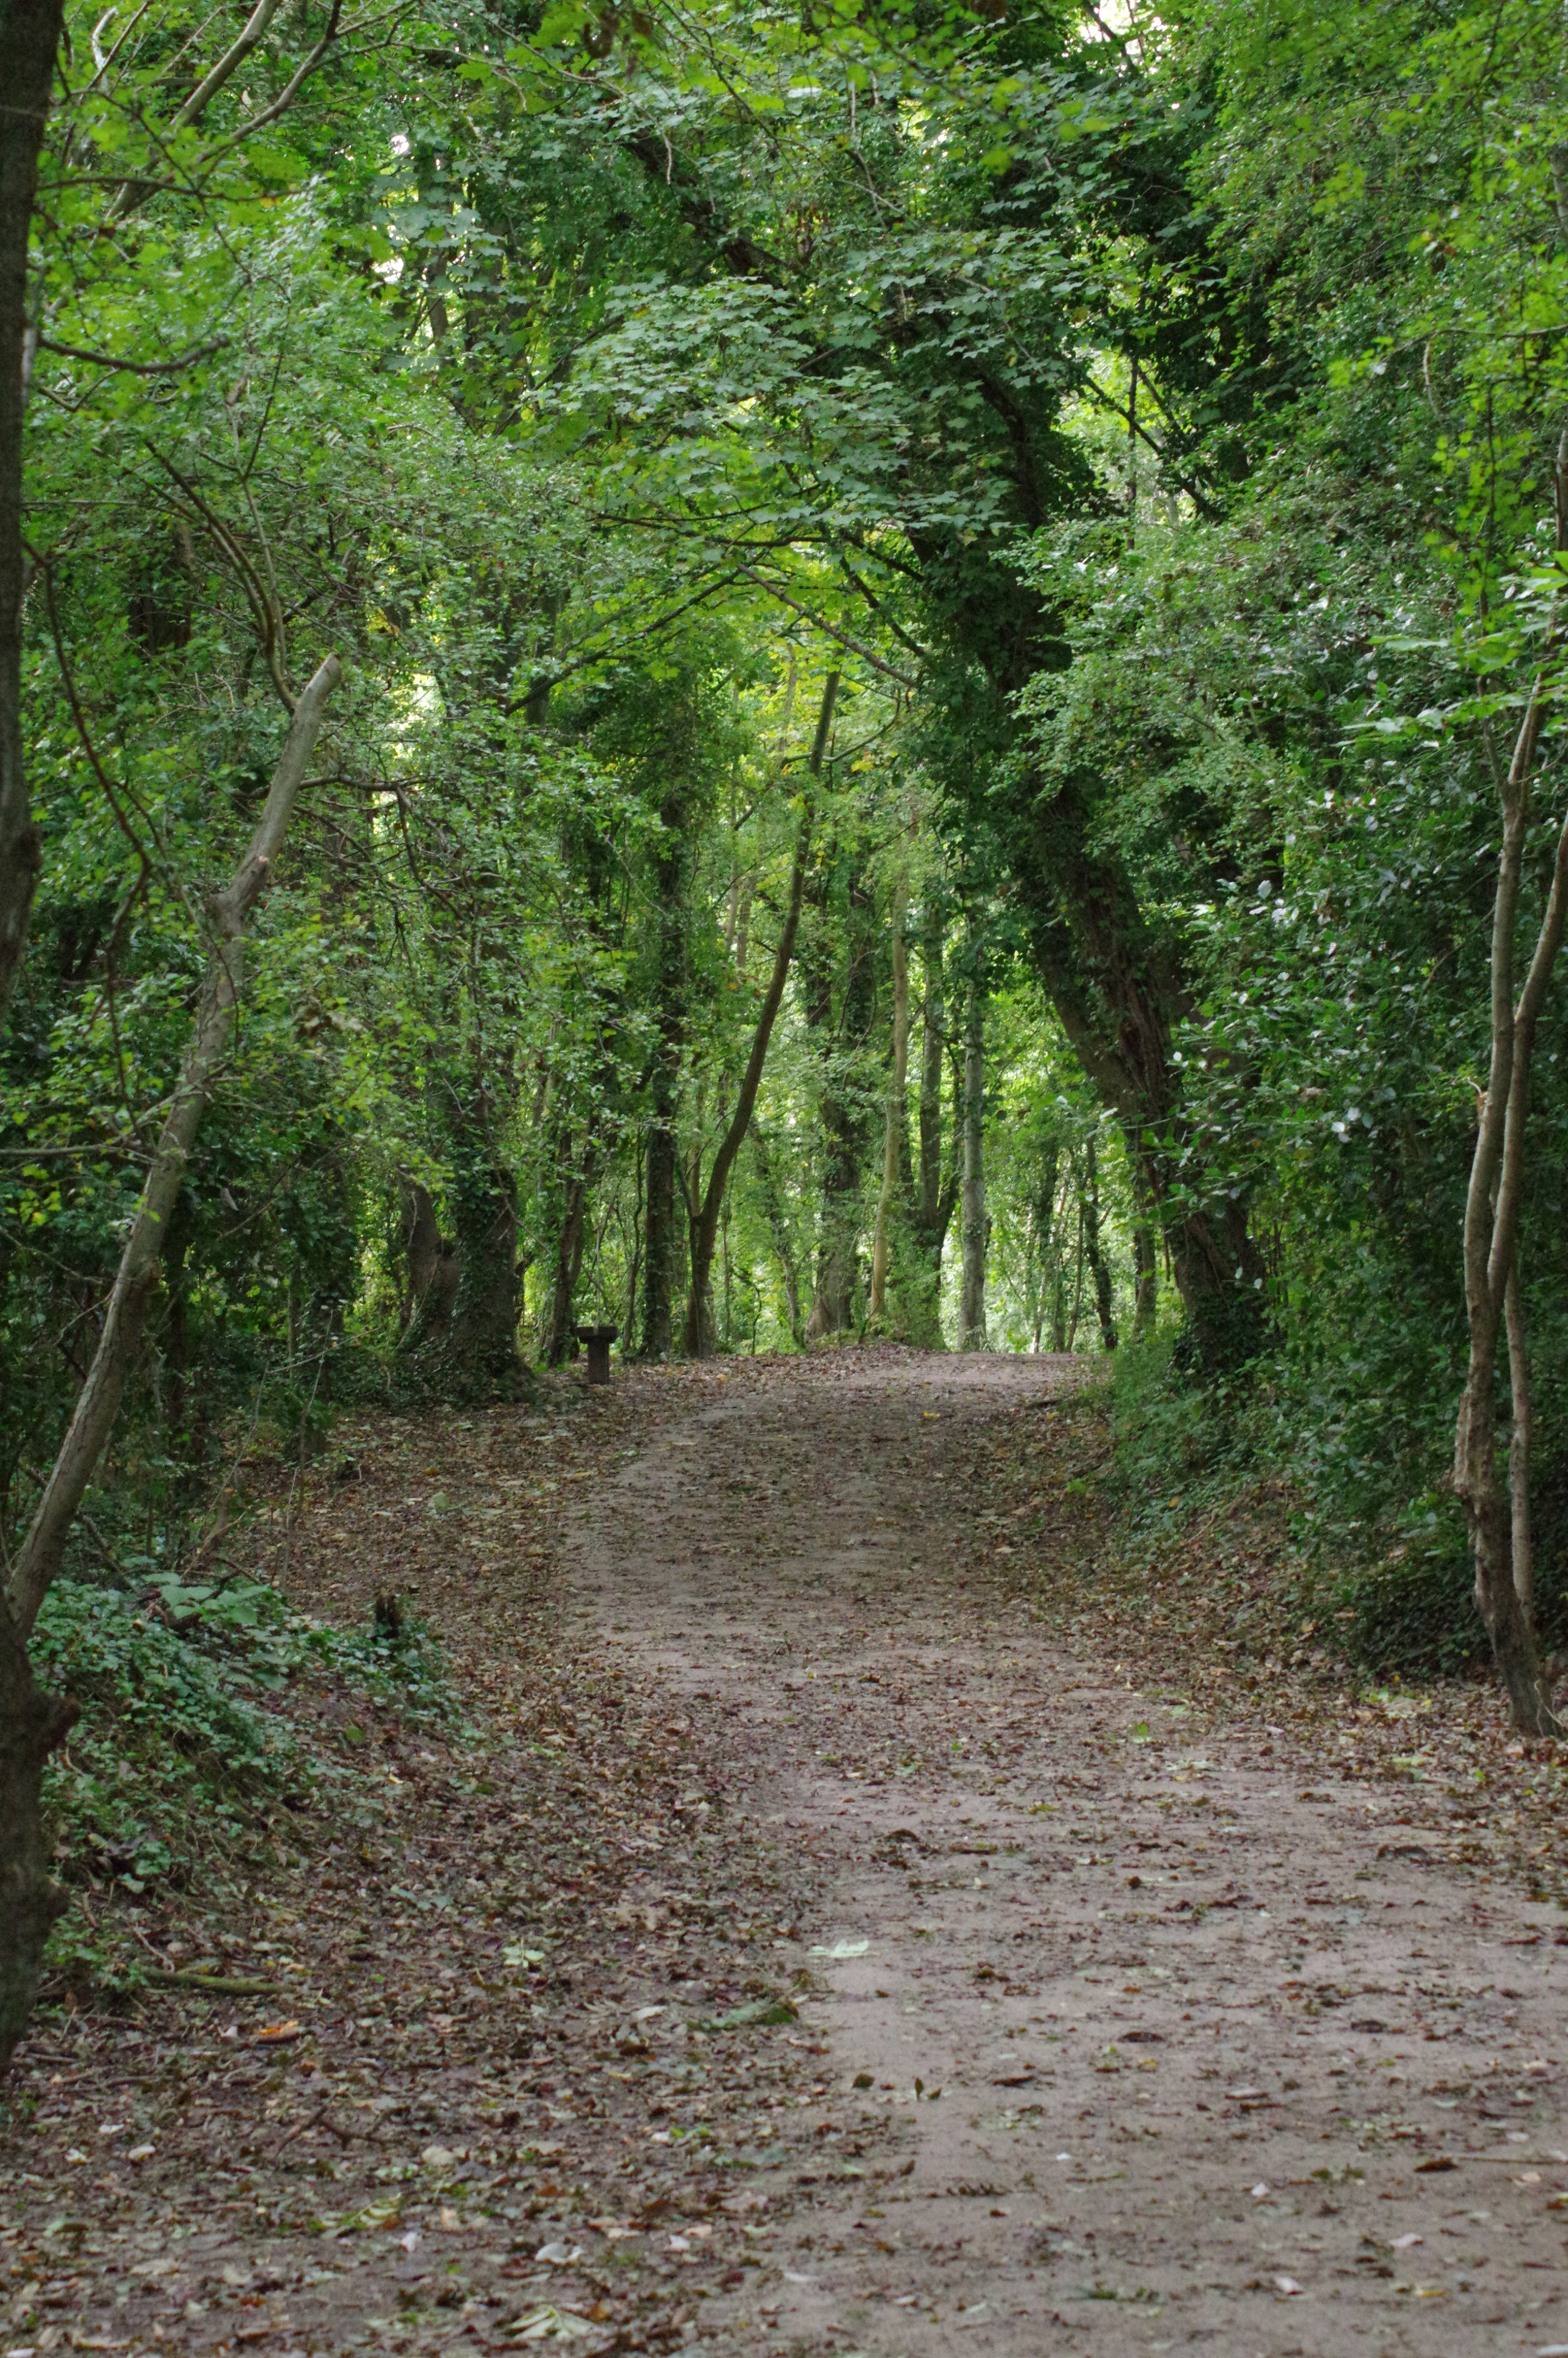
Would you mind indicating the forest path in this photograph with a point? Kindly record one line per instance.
(1214, 2054)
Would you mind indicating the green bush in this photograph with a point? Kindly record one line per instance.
(185, 1751)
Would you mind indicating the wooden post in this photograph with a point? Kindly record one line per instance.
(597, 1339)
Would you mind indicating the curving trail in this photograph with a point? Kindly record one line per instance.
(1120, 2024)
(1140, 2035)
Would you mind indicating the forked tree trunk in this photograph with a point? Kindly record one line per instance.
(1499, 1513)
(972, 1334)
(705, 1225)
(897, 1110)
(32, 1723)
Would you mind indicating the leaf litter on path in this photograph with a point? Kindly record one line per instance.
(557, 1983)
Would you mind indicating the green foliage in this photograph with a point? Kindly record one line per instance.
(182, 1758)
(1156, 433)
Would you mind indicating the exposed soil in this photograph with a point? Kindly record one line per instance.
(821, 1941)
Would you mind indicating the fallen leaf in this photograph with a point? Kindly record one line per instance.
(761, 2011)
(550, 2325)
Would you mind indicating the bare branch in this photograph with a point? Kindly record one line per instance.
(856, 647)
(207, 90)
(135, 368)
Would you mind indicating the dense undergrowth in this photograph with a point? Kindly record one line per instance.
(201, 1742)
(1368, 1559)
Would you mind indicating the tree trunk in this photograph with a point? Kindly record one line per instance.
(705, 1225)
(570, 1240)
(846, 1114)
(1119, 988)
(778, 1225)
(933, 1197)
(660, 1251)
(659, 1237)
(32, 1723)
(1099, 1267)
(557, 1339)
(29, 38)
(1145, 1257)
(1499, 1519)
(424, 1255)
(897, 1113)
(932, 1049)
(483, 1337)
(1043, 1238)
(635, 1258)
(972, 1335)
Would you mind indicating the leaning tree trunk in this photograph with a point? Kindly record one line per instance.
(29, 38)
(1119, 984)
(972, 1334)
(1499, 1517)
(705, 1227)
(32, 1725)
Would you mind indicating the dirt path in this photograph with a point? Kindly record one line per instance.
(1124, 2040)
(812, 1943)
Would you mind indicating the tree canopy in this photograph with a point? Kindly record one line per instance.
(946, 627)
